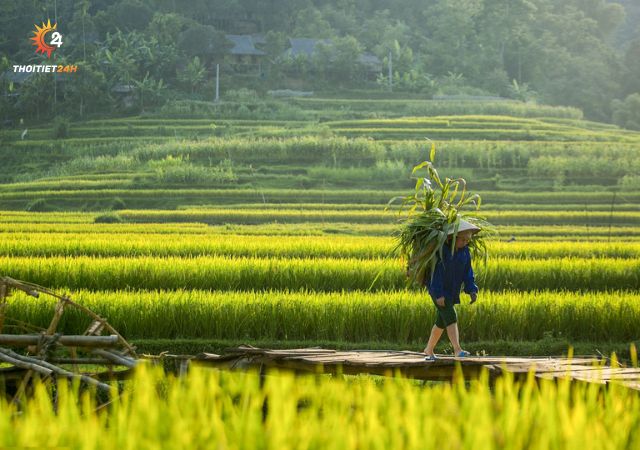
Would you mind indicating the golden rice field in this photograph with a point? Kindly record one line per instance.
(138, 241)
(313, 282)
(319, 274)
(278, 214)
(248, 216)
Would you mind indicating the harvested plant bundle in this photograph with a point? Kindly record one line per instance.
(434, 214)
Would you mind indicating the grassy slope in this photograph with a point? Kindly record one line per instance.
(104, 163)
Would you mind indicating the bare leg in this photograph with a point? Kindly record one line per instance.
(454, 337)
(433, 340)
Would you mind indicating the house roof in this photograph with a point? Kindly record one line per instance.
(369, 59)
(123, 88)
(259, 39)
(243, 45)
(304, 46)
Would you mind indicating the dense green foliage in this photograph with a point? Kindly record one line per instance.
(556, 52)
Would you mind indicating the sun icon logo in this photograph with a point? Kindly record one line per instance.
(39, 38)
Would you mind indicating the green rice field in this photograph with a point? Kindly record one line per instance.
(195, 234)
(354, 316)
(149, 208)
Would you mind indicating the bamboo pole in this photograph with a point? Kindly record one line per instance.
(117, 359)
(24, 364)
(39, 365)
(79, 360)
(57, 315)
(34, 290)
(25, 340)
(73, 352)
(3, 304)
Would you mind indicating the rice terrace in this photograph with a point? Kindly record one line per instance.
(343, 225)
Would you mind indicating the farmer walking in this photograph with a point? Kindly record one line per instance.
(451, 273)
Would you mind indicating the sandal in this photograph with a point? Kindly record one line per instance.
(430, 358)
(463, 354)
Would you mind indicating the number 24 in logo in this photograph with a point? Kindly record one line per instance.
(39, 38)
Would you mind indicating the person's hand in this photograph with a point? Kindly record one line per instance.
(440, 302)
(474, 297)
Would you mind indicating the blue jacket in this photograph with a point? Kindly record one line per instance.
(450, 274)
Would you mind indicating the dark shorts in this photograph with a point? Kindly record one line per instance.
(445, 315)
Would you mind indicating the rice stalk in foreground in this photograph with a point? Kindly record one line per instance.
(227, 410)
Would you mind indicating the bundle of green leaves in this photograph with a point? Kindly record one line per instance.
(433, 214)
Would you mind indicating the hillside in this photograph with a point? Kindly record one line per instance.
(321, 150)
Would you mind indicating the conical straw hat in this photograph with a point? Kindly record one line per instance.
(465, 226)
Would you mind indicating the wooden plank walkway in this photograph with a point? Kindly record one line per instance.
(412, 364)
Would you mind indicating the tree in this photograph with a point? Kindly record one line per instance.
(347, 50)
(609, 16)
(310, 23)
(6, 88)
(575, 65)
(276, 44)
(149, 91)
(125, 56)
(521, 91)
(36, 95)
(373, 30)
(504, 33)
(631, 82)
(89, 91)
(627, 113)
(341, 16)
(193, 75)
(79, 39)
(166, 26)
(450, 28)
(203, 41)
(128, 56)
(127, 15)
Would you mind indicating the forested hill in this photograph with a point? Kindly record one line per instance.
(581, 53)
(631, 28)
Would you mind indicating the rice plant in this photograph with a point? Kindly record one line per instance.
(320, 274)
(190, 240)
(226, 410)
(399, 317)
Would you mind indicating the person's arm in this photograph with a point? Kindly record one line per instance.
(470, 286)
(436, 286)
